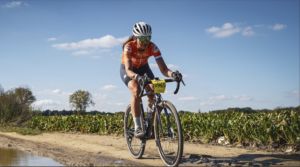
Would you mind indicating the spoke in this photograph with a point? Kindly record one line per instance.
(168, 143)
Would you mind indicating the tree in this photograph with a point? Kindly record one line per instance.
(15, 105)
(80, 100)
(24, 96)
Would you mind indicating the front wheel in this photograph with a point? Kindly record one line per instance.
(168, 135)
(135, 145)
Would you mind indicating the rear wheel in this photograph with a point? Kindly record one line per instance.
(135, 145)
(168, 138)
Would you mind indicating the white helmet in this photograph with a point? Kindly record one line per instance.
(141, 29)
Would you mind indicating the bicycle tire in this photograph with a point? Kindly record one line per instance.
(168, 157)
(138, 151)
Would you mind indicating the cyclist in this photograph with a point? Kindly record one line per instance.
(136, 51)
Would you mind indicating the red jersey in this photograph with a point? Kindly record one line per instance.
(139, 58)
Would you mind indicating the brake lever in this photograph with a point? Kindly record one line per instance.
(182, 82)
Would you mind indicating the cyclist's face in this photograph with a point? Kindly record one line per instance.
(142, 45)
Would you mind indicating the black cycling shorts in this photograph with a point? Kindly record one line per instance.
(141, 71)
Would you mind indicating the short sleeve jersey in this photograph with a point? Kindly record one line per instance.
(139, 58)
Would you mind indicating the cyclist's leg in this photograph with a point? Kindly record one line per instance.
(134, 90)
(136, 107)
(135, 99)
(149, 87)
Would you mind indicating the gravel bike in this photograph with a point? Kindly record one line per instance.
(167, 130)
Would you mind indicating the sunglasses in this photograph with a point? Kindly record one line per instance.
(144, 38)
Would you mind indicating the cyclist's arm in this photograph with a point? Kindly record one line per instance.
(128, 66)
(163, 68)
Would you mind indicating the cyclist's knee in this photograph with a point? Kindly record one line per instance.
(150, 98)
(134, 89)
(135, 93)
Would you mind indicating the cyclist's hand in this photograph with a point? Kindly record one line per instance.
(139, 79)
(176, 75)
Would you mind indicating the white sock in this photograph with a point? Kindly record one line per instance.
(137, 122)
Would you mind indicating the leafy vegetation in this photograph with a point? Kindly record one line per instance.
(15, 105)
(102, 124)
(276, 127)
(21, 130)
(250, 110)
(71, 112)
(80, 100)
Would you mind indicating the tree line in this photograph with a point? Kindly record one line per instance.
(250, 110)
(15, 106)
(72, 112)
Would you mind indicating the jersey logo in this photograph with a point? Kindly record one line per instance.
(155, 48)
(133, 59)
(128, 48)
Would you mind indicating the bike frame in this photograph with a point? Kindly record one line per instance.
(156, 100)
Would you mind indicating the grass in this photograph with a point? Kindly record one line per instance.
(22, 131)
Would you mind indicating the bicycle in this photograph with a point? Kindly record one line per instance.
(167, 130)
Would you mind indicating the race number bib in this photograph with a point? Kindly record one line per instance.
(159, 85)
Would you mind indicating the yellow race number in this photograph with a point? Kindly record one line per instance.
(159, 85)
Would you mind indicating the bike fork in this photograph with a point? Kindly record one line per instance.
(159, 120)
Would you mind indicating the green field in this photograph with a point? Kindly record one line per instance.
(276, 127)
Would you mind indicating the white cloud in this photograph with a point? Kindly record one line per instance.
(116, 104)
(277, 26)
(51, 39)
(243, 98)
(294, 93)
(13, 4)
(107, 41)
(187, 98)
(259, 25)
(56, 92)
(46, 102)
(248, 31)
(105, 96)
(122, 92)
(170, 66)
(153, 65)
(206, 103)
(226, 30)
(82, 52)
(95, 57)
(219, 97)
(109, 103)
(88, 52)
(108, 87)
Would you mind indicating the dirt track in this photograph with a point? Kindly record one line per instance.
(94, 150)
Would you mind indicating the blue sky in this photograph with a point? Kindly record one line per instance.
(231, 53)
